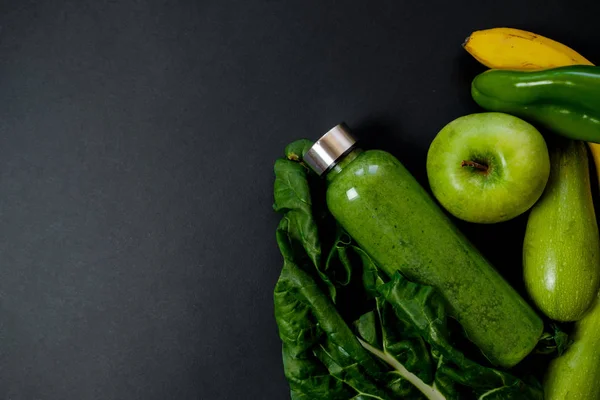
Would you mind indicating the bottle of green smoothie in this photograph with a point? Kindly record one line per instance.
(381, 205)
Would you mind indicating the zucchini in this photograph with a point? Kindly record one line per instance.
(575, 375)
(561, 251)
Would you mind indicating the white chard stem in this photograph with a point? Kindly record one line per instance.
(429, 391)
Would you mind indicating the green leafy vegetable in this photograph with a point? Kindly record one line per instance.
(556, 342)
(349, 332)
(296, 150)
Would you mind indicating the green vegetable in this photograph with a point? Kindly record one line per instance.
(565, 100)
(561, 251)
(575, 375)
(349, 331)
(389, 214)
(554, 343)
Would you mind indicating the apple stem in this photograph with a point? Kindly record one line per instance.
(476, 165)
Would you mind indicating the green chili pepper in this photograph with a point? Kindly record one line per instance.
(565, 100)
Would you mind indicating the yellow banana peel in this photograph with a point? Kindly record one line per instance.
(509, 48)
(516, 49)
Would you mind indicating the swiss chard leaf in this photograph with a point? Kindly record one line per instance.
(293, 199)
(323, 359)
(296, 150)
(424, 311)
(556, 342)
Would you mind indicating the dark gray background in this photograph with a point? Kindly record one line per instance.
(137, 253)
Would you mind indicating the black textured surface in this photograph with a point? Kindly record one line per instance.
(137, 253)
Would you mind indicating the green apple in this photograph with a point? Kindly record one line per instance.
(488, 167)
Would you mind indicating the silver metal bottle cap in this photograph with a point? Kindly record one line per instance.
(329, 148)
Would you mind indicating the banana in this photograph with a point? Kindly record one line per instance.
(509, 48)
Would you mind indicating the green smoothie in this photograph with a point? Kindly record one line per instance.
(382, 206)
